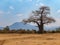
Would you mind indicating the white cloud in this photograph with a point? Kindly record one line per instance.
(57, 21)
(58, 11)
(19, 15)
(11, 7)
(36, 4)
(4, 13)
(40, 4)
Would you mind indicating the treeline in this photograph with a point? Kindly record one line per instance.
(23, 31)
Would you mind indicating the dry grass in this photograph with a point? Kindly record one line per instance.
(30, 39)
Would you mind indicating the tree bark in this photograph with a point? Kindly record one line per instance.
(41, 28)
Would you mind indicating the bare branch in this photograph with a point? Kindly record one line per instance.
(40, 17)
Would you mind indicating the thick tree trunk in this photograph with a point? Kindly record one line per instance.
(41, 28)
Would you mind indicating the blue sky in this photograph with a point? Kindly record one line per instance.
(12, 11)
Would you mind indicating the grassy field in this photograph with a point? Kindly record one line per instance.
(30, 39)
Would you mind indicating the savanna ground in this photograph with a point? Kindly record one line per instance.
(30, 39)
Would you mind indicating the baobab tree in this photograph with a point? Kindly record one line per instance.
(40, 17)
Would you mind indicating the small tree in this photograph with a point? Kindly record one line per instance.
(33, 31)
(58, 30)
(6, 29)
(40, 17)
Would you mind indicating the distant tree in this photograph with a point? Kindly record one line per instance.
(53, 31)
(33, 31)
(6, 29)
(28, 31)
(58, 30)
(40, 17)
(13, 31)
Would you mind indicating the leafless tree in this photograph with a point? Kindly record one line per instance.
(40, 17)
